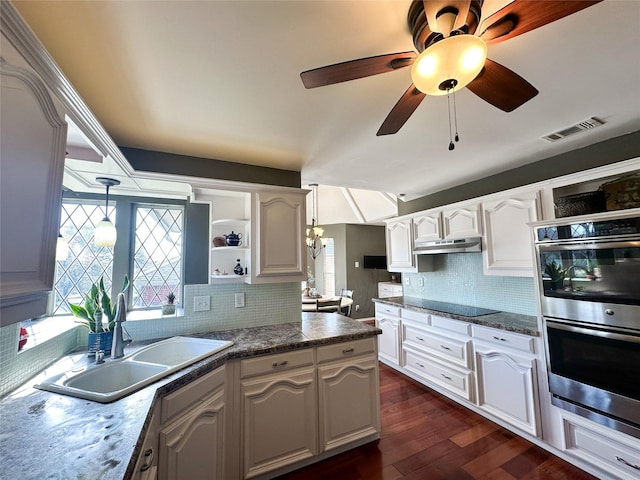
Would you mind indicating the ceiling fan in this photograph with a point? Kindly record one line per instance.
(453, 47)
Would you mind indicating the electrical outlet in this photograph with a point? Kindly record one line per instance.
(357, 308)
(357, 264)
(201, 303)
(239, 300)
(420, 282)
(407, 281)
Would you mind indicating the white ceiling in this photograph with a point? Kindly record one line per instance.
(220, 79)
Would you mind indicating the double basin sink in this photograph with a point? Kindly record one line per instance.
(116, 378)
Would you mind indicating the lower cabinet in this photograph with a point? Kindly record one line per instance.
(307, 403)
(388, 320)
(506, 380)
(185, 438)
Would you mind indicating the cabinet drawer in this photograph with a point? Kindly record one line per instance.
(176, 403)
(344, 350)
(605, 452)
(422, 318)
(504, 338)
(384, 309)
(275, 363)
(455, 381)
(452, 350)
(457, 326)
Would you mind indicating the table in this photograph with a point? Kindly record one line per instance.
(309, 304)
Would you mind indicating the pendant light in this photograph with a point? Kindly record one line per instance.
(105, 234)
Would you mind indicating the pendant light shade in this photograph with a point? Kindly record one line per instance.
(449, 65)
(105, 234)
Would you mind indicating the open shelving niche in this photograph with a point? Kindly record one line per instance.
(230, 211)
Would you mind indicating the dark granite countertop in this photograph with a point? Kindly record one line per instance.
(48, 435)
(513, 322)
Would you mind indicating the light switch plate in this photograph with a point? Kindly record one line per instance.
(420, 282)
(407, 281)
(239, 300)
(201, 303)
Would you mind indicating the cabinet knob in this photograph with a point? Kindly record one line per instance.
(444, 347)
(445, 376)
(499, 339)
(348, 350)
(628, 464)
(280, 364)
(148, 460)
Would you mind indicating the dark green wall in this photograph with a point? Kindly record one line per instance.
(610, 151)
(171, 163)
(196, 244)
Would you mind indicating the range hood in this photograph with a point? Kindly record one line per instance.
(460, 245)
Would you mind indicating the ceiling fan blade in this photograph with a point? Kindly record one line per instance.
(521, 16)
(434, 7)
(353, 69)
(401, 112)
(501, 87)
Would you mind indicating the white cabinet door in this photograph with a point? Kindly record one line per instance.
(280, 423)
(508, 243)
(462, 222)
(32, 148)
(349, 401)
(427, 227)
(506, 387)
(389, 340)
(191, 447)
(278, 248)
(400, 257)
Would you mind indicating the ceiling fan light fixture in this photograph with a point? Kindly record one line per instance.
(455, 60)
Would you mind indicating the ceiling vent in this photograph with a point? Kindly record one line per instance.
(573, 129)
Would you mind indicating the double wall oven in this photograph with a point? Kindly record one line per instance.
(588, 274)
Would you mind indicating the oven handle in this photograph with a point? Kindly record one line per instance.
(588, 244)
(592, 331)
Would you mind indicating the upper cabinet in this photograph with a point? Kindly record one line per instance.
(400, 257)
(508, 246)
(427, 226)
(278, 224)
(462, 221)
(32, 149)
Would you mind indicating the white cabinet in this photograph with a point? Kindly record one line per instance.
(427, 226)
(278, 231)
(507, 377)
(186, 434)
(438, 354)
(462, 221)
(388, 320)
(279, 419)
(32, 148)
(400, 255)
(614, 453)
(294, 407)
(508, 244)
(349, 393)
(389, 289)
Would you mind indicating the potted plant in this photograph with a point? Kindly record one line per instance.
(169, 308)
(97, 305)
(556, 274)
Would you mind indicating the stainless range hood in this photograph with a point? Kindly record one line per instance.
(461, 245)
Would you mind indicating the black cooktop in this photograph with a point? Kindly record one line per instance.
(453, 308)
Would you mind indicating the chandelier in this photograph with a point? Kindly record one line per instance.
(315, 242)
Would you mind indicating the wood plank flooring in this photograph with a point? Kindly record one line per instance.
(427, 436)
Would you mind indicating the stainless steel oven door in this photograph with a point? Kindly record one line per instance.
(599, 281)
(595, 372)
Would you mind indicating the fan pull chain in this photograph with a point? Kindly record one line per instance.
(451, 145)
(455, 116)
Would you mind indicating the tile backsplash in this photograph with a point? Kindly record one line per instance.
(267, 304)
(459, 278)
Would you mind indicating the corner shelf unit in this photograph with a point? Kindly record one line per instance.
(224, 258)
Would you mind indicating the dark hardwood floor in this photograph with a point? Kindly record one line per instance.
(427, 436)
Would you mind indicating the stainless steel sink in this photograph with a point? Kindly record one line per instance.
(115, 379)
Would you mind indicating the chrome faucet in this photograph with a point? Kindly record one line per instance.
(117, 347)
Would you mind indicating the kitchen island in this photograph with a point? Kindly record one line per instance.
(48, 435)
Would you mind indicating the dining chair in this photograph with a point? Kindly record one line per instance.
(349, 294)
(329, 306)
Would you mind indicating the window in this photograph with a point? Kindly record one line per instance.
(157, 260)
(329, 268)
(154, 235)
(85, 262)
